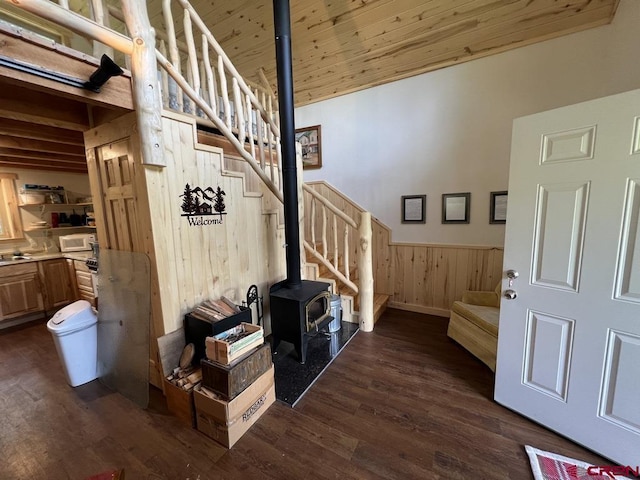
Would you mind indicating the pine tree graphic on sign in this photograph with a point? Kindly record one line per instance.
(218, 203)
(188, 203)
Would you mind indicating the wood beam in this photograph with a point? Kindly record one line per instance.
(17, 143)
(115, 94)
(35, 155)
(10, 162)
(16, 128)
(37, 107)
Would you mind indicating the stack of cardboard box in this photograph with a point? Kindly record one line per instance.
(237, 383)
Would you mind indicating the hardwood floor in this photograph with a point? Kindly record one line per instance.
(403, 402)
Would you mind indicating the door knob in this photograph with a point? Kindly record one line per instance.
(512, 274)
(510, 294)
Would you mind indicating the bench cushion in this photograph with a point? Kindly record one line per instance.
(483, 317)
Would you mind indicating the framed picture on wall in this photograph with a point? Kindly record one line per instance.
(414, 208)
(498, 207)
(456, 207)
(310, 139)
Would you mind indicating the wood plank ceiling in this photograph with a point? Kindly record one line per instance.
(341, 46)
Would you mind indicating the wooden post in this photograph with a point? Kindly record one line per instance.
(365, 272)
(145, 82)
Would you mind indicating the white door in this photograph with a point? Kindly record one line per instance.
(569, 343)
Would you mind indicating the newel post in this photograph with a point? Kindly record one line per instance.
(365, 272)
(146, 89)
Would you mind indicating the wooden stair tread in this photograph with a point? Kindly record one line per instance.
(380, 301)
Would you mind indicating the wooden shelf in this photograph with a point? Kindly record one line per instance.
(56, 205)
(56, 229)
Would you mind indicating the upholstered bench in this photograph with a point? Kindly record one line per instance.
(474, 324)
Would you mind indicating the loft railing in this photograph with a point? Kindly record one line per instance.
(213, 89)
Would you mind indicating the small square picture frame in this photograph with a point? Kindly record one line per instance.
(456, 207)
(414, 209)
(498, 207)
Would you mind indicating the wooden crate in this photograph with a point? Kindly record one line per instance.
(228, 381)
(222, 351)
(180, 403)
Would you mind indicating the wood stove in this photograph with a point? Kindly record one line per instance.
(299, 308)
(299, 313)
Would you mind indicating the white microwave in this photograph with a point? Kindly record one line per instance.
(77, 242)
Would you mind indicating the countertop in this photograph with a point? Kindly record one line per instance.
(37, 257)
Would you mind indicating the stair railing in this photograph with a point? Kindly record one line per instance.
(215, 89)
(341, 238)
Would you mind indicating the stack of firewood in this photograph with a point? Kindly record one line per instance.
(215, 310)
(186, 378)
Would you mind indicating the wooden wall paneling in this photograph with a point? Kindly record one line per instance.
(421, 275)
(462, 267)
(382, 260)
(237, 234)
(498, 269)
(201, 262)
(157, 190)
(447, 263)
(182, 253)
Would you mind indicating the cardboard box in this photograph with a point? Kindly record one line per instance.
(226, 422)
(219, 349)
(228, 381)
(180, 403)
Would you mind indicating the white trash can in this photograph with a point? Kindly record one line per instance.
(75, 334)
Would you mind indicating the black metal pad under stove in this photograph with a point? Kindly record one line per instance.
(292, 378)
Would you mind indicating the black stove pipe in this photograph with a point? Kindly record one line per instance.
(282, 22)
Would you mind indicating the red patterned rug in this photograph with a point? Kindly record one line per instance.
(549, 466)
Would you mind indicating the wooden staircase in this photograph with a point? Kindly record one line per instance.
(314, 270)
(350, 300)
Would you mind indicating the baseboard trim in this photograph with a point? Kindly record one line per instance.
(409, 307)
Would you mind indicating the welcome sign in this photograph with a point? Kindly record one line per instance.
(201, 206)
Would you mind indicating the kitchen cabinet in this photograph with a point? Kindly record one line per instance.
(20, 290)
(58, 290)
(84, 281)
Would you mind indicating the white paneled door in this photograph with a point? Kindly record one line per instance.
(569, 342)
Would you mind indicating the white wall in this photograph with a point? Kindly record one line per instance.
(450, 130)
(76, 183)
